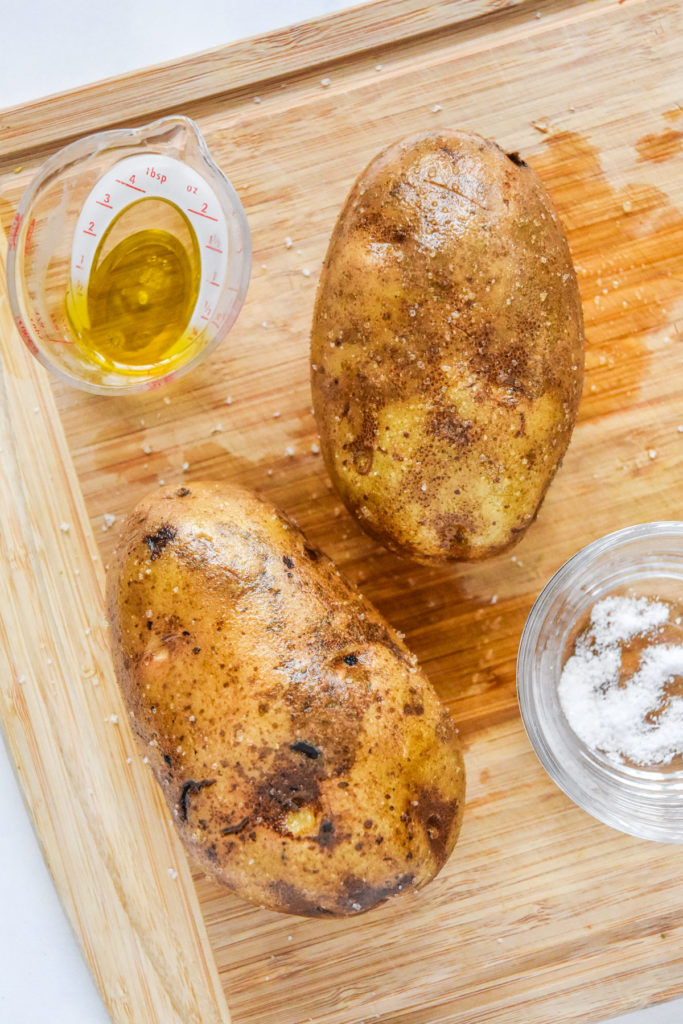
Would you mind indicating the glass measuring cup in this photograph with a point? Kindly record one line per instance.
(129, 257)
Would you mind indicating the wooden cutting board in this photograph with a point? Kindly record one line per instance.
(542, 914)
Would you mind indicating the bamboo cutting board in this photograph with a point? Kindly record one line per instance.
(542, 913)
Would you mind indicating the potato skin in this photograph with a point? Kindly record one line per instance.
(446, 348)
(307, 760)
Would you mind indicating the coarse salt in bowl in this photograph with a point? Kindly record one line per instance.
(600, 679)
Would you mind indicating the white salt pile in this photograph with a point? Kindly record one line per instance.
(632, 718)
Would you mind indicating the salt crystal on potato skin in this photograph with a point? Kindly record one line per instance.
(446, 348)
(307, 760)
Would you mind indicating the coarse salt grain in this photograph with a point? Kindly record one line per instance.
(632, 719)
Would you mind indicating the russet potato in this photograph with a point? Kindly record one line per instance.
(305, 757)
(446, 348)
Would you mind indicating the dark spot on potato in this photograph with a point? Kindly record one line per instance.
(376, 633)
(189, 789)
(149, 623)
(288, 562)
(359, 895)
(287, 785)
(196, 650)
(329, 836)
(362, 460)
(416, 708)
(233, 830)
(156, 542)
(311, 553)
(351, 659)
(168, 760)
(307, 749)
(436, 815)
(292, 899)
(447, 425)
(516, 159)
(322, 700)
(182, 492)
(453, 529)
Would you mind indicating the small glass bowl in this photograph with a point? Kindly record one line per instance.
(646, 560)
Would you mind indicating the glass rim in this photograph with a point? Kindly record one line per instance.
(624, 797)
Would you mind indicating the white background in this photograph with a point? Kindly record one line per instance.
(49, 46)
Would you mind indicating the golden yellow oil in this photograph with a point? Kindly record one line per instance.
(141, 291)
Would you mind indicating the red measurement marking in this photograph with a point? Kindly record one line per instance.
(205, 318)
(213, 248)
(200, 213)
(128, 185)
(14, 231)
(217, 284)
(23, 331)
(93, 233)
(100, 203)
(60, 341)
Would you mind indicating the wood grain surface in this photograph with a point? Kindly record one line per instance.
(102, 823)
(542, 913)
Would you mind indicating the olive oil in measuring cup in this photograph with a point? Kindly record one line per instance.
(129, 258)
(141, 291)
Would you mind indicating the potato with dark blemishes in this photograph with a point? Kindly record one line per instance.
(447, 349)
(306, 758)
